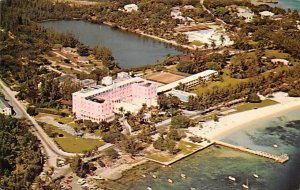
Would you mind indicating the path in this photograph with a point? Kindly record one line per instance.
(280, 159)
(65, 127)
(50, 148)
(209, 12)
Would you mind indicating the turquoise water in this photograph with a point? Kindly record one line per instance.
(290, 4)
(182, 97)
(209, 169)
(129, 49)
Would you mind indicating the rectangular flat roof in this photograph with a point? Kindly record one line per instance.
(92, 91)
(185, 80)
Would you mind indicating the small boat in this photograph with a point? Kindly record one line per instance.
(246, 186)
(231, 178)
(275, 145)
(183, 176)
(154, 176)
(170, 180)
(149, 188)
(255, 175)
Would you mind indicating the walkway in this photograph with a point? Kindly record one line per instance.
(280, 159)
(68, 129)
(51, 149)
(209, 12)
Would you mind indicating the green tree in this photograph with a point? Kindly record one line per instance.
(173, 134)
(181, 121)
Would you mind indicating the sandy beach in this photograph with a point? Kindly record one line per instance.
(214, 130)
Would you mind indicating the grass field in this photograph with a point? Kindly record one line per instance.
(165, 77)
(221, 84)
(70, 143)
(186, 148)
(64, 120)
(276, 54)
(250, 106)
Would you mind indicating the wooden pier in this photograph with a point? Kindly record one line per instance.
(280, 159)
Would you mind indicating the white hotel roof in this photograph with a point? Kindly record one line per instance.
(98, 89)
(185, 80)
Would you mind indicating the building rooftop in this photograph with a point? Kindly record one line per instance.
(266, 13)
(3, 103)
(185, 80)
(116, 83)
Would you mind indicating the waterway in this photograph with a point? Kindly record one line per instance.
(129, 49)
(290, 4)
(210, 168)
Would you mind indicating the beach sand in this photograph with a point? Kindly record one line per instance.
(214, 130)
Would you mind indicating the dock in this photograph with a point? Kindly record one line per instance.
(277, 158)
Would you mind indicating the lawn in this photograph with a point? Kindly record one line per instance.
(186, 148)
(221, 84)
(276, 54)
(197, 43)
(70, 143)
(64, 120)
(250, 106)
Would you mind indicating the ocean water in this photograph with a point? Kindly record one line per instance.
(290, 4)
(210, 168)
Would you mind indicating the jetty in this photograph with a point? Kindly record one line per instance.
(277, 158)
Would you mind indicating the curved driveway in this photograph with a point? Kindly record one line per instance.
(51, 149)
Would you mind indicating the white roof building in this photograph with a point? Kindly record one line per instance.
(88, 83)
(248, 16)
(189, 81)
(188, 7)
(283, 61)
(130, 7)
(176, 13)
(266, 14)
(5, 107)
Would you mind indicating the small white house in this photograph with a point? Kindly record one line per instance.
(5, 107)
(130, 7)
(280, 61)
(176, 13)
(188, 7)
(88, 83)
(83, 59)
(266, 14)
(248, 16)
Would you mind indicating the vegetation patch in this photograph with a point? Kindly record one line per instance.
(71, 143)
(250, 106)
(186, 148)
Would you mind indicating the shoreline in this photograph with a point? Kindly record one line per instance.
(142, 33)
(228, 124)
(137, 31)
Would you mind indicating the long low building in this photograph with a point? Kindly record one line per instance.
(99, 103)
(5, 107)
(189, 81)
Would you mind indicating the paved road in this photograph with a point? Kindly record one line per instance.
(65, 127)
(209, 12)
(51, 150)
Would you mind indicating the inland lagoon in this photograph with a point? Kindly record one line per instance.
(129, 49)
(210, 168)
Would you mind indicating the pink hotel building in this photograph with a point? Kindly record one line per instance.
(97, 103)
